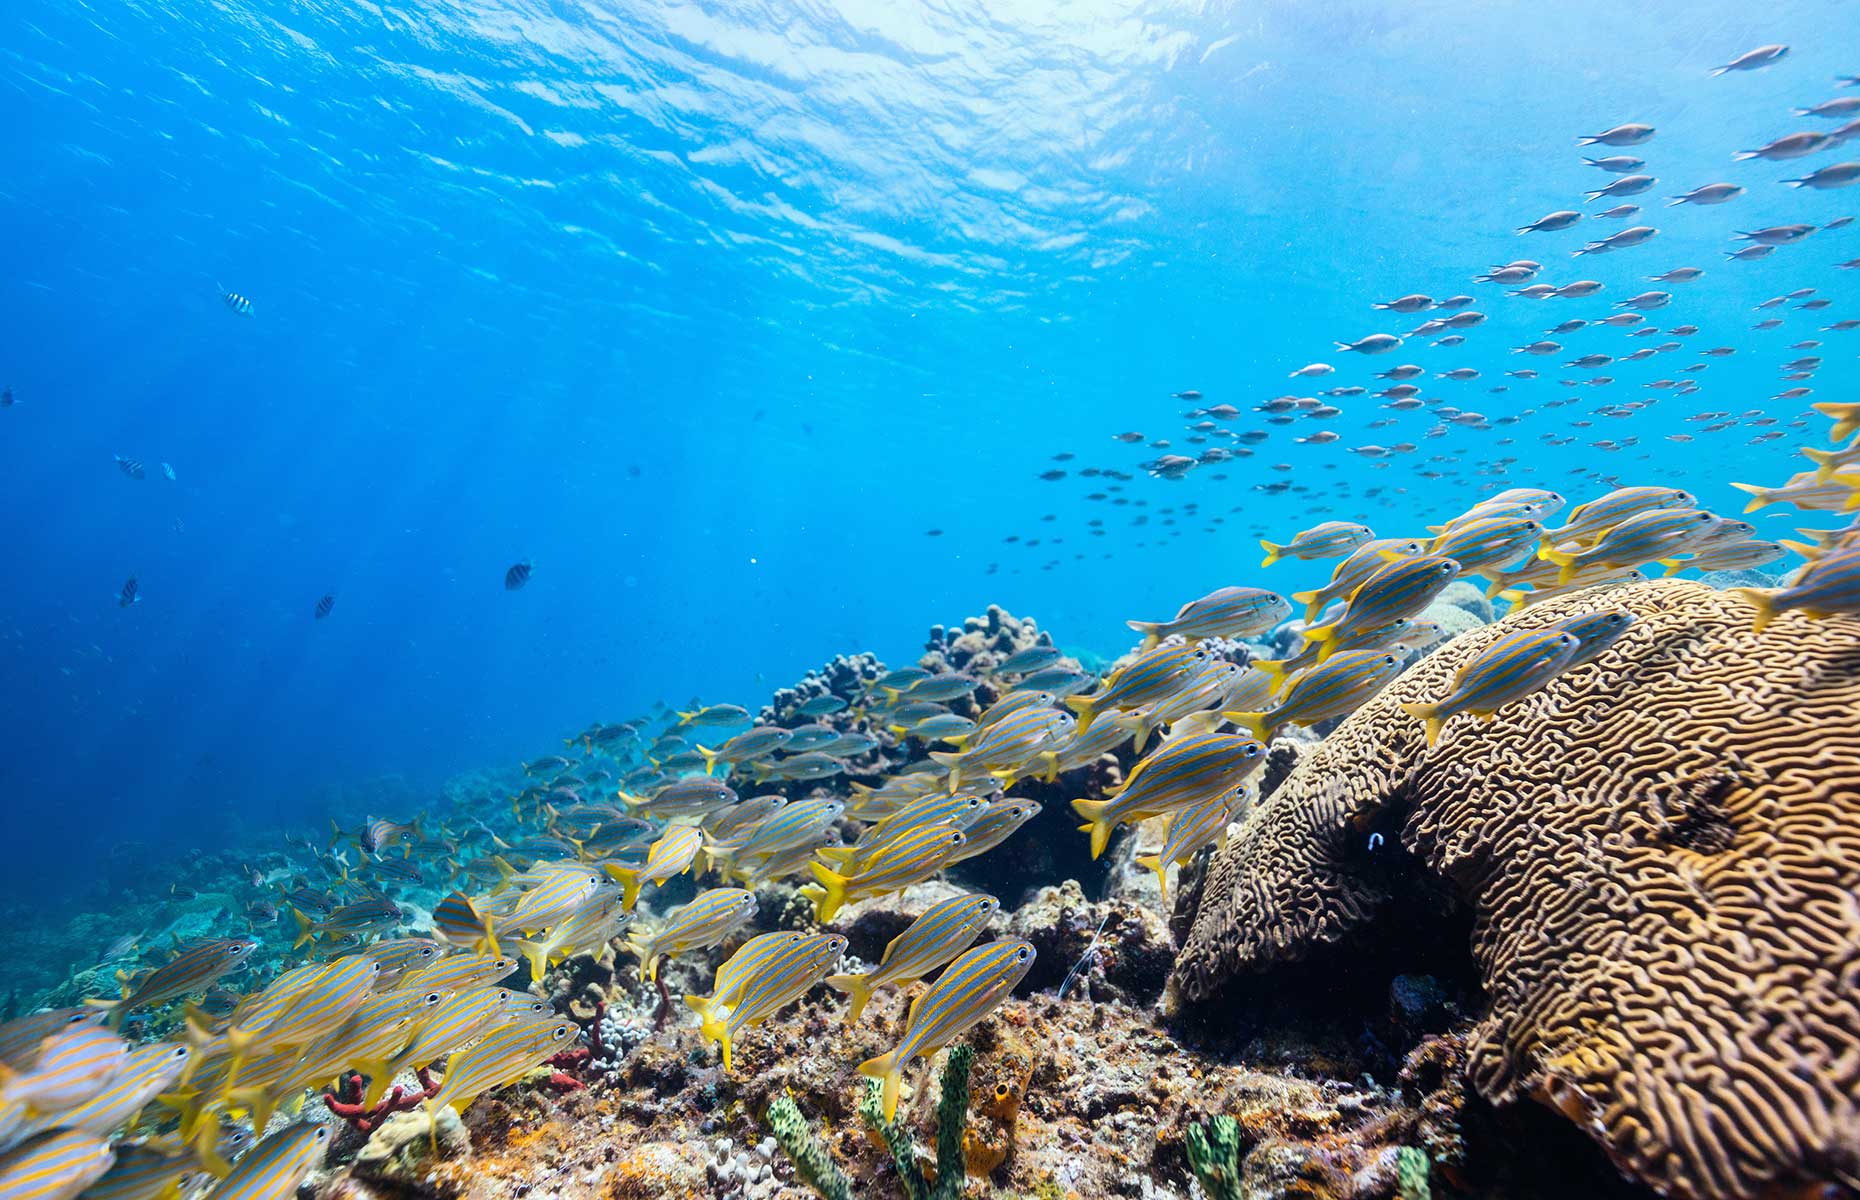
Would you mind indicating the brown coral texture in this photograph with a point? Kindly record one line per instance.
(1662, 854)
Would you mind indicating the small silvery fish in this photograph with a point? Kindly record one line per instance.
(714, 715)
(1229, 612)
(517, 576)
(1509, 669)
(1024, 662)
(940, 933)
(1332, 539)
(747, 746)
(364, 916)
(970, 988)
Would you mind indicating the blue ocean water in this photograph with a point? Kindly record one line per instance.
(713, 312)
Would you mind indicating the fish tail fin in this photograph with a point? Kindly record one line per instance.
(1253, 722)
(1321, 635)
(1764, 601)
(1824, 462)
(953, 761)
(1565, 561)
(1087, 709)
(1313, 602)
(1152, 636)
(1273, 551)
(1758, 496)
(1049, 759)
(1745, 156)
(1673, 565)
(1717, 71)
(886, 1069)
(1846, 417)
(305, 929)
(710, 759)
(630, 884)
(1092, 812)
(839, 856)
(1273, 669)
(858, 990)
(833, 891)
(1429, 716)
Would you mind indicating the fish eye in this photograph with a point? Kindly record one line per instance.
(322, 1133)
(1020, 955)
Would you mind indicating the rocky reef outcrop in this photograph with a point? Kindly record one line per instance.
(1660, 856)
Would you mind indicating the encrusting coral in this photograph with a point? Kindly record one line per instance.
(1661, 853)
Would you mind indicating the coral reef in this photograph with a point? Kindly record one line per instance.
(1660, 852)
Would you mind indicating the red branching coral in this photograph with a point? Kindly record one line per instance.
(346, 1101)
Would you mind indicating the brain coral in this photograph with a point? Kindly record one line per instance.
(1661, 852)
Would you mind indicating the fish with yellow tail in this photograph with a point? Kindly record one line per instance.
(1594, 632)
(54, 1166)
(667, 858)
(1645, 537)
(1846, 415)
(1488, 542)
(456, 919)
(70, 1068)
(1591, 520)
(1839, 492)
(272, 1169)
(738, 969)
(1827, 587)
(781, 979)
(1275, 671)
(994, 826)
(1183, 771)
(913, 856)
(1153, 675)
(969, 989)
(706, 921)
(192, 970)
(1349, 575)
(1198, 825)
(1332, 539)
(1008, 747)
(1401, 588)
(1229, 612)
(143, 1171)
(508, 1051)
(1342, 685)
(943, 931)
(452, 1023)
(587, 932)
(1828, 462)
(1509, 669)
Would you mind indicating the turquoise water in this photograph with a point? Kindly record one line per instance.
(714, 312)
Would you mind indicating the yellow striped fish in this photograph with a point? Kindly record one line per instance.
(146, 1072)
(373, 1034)
(748, 961)
(73, 1067)
(1340, 686)
(666, 858)
(54, 1166)
(144, 1172)
(1151, 676)
(456, 1020)
(587, 932)
(914, 855)
(1367, 559)
(1181, 772)
(456, 919)
(967, 991)
(22, 1037)
(558, 894)
(706, 921)
(272, 1169)
(996, 825)
(1509, 669)
(783, 977)
(190, 971)
(1198, 825)
(943, 931)
(508, 1051)
(461, 971)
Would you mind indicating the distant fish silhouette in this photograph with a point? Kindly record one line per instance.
(324, 605)
(130, 593)
(237, 303)
(516, 576)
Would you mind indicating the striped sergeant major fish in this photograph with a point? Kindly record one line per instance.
(238, 303)
(973, 986)
(325, 605)
(130, 593)
(1509, 669)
